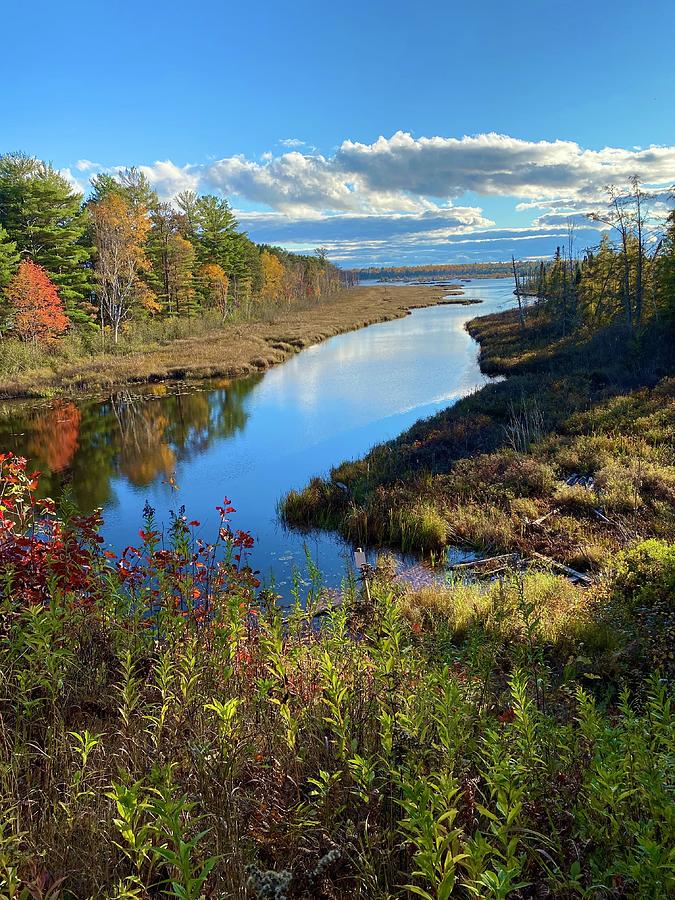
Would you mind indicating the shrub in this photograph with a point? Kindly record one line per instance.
(619, 487)
(164, 730)
(644, 595)
(576, 498)
(524, 508)
(645, 575)
(529, 476)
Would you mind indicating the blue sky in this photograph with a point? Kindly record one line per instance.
(386, 131)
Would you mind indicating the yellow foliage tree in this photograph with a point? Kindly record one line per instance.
(272, 275)
(120, 233)
(215, 286)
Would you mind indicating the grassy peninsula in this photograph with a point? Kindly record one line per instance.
(570, 455)
(208, 347)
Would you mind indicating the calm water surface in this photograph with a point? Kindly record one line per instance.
(253, 439)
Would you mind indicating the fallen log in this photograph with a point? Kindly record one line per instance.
(484, 561)
(561, 567)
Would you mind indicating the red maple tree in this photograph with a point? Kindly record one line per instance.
(37, 307)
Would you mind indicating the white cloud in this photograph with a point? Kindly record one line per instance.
(168, 179)
(396, 194)
(85, 165)
(498, 164)
(403, 174)
(75, 183)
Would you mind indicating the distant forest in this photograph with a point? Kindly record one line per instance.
(425, 273)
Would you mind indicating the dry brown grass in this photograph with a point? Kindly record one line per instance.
(232, 350)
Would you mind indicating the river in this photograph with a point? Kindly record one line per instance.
(253, 439)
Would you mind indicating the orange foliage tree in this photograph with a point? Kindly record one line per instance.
(37, 310)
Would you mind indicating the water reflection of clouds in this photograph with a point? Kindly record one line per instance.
(372, 376)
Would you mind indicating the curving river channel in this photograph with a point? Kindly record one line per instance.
(255, 438)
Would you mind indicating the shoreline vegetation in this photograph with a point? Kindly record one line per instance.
(228, 350)
(434, 273)
(571, 455)
(122, 288)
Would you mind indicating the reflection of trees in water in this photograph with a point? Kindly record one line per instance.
(144, 453)
(140, 438)
(54, 435)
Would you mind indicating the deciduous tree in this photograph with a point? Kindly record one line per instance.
(120, 232)
(214, 287)
(272, 276)
(36, 309)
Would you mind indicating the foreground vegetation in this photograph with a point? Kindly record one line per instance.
(164, 732)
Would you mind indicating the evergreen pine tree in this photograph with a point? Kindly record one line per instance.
(9, 258)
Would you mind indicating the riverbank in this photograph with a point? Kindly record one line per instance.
(570, 456)
(231, 351)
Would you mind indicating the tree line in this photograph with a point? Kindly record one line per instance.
(123, 254)
(449, 270)
(628, 278)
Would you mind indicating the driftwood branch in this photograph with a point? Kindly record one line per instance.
(560, 567)
(485, 561)
(536, 523)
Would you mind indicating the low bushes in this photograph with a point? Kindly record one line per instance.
(163, 731)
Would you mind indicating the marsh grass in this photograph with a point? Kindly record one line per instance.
(496, 461)
(248, 341)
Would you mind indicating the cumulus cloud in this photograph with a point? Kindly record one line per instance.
(169, 179)
(402, 188)
(499, 164)
(406, 174)
(403, 174)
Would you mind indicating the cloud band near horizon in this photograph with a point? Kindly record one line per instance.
(394, 200)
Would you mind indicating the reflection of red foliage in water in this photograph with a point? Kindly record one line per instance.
(55, 434)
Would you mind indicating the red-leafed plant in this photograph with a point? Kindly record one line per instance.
(46, 557)
(36, 308)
